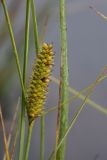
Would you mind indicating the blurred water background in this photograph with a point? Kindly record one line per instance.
(87, 48)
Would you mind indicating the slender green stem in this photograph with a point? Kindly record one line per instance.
(22, 134)
(42, 138)
(37, 47)
(22, 125)
(64, 77)
(37, 50)
(58, 119)
(35, 26)
(28, 141)
(26, 41)
(13, 43)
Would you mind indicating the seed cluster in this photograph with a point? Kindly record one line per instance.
(37, 90)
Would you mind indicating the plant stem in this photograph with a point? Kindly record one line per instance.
(64, 77)
(42, 138)
(35, 26)
(37, 47)
(37, 50)
(26, 41)
(58, 118)
(13, 43)
(28, 141)
(22, 125)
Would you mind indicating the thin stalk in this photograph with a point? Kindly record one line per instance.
(4, 136)
(22, 125)
(37, 50)
(37, 47)
(79, 94)
(13, 148)
(64, 77)
(28, 141)
(35, 26)
(42, 138)
(26, 46)
(13, 44)
(58, 118)
(98, 13)
(12, 126)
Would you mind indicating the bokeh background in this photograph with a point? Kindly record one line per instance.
(87, 49)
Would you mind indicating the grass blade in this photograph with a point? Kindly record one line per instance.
(74, 119)
(79, 94)
(79, 110)
(64, 78)
(4, 136)
(13, 43)
(15, 139)
(33, 8)
(22, 125)
(98, 13)
(52, 157)
(58, 119)
(12, 126)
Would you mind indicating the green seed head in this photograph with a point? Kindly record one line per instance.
(36, 95)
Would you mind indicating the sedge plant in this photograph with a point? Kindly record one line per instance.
(34, 98)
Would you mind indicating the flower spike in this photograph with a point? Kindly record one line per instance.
(36, 95)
